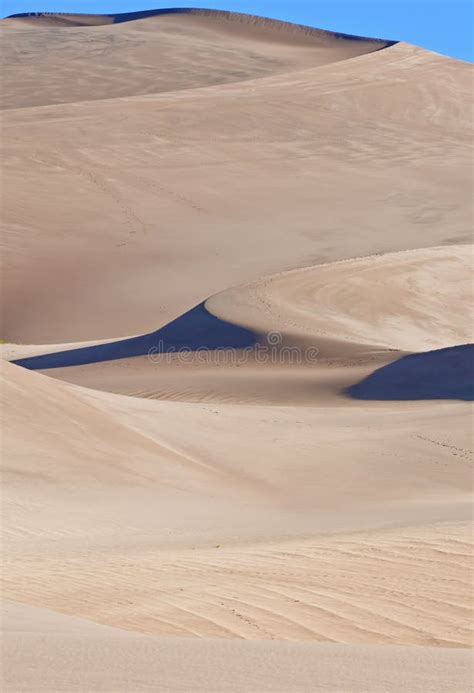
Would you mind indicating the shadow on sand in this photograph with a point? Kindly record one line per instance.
(441, 374)
(193, 331)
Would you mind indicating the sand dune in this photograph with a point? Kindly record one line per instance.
(423, 299)
(97, 655)
(170, 491)
(184, 194)
(214, 520)
(266, 343)
(112, 56)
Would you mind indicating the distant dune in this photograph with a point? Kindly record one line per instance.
(274, 26)
(155, 51)
(237, 253)
(274, 29)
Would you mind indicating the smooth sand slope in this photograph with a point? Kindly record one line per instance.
(162, 52)
(134, 662)
(130, 477)
(412, 301)
(219, 520)
(162, 518)
(185, 193)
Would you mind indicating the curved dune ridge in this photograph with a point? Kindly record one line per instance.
(58, 19)
(237, 253)
(235, 18)
(156, 51)
(409, 301)
(272, 340)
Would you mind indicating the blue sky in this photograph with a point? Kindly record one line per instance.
(441, 25)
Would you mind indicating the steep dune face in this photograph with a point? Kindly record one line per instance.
(169, 519)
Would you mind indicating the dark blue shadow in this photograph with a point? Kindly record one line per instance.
(195, 330)
(143, 14)
(118, 18)
(441, 374)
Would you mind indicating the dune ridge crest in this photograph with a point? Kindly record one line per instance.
(302, 337)
(156, 51)
(276, 26)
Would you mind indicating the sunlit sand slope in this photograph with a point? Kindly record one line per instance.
(162, 518)
(168, 199)
(409, 301)
(64, 58)
(95, 657)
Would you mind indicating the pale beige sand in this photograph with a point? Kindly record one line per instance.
(209, 526)
(155, 516)
(10, 351)
(183, 194)
(410, 301)
(105, 659)
(345, 319)
(157, 54)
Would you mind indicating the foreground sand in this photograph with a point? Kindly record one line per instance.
(162, 519)
(122, 661)
(223, 522)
